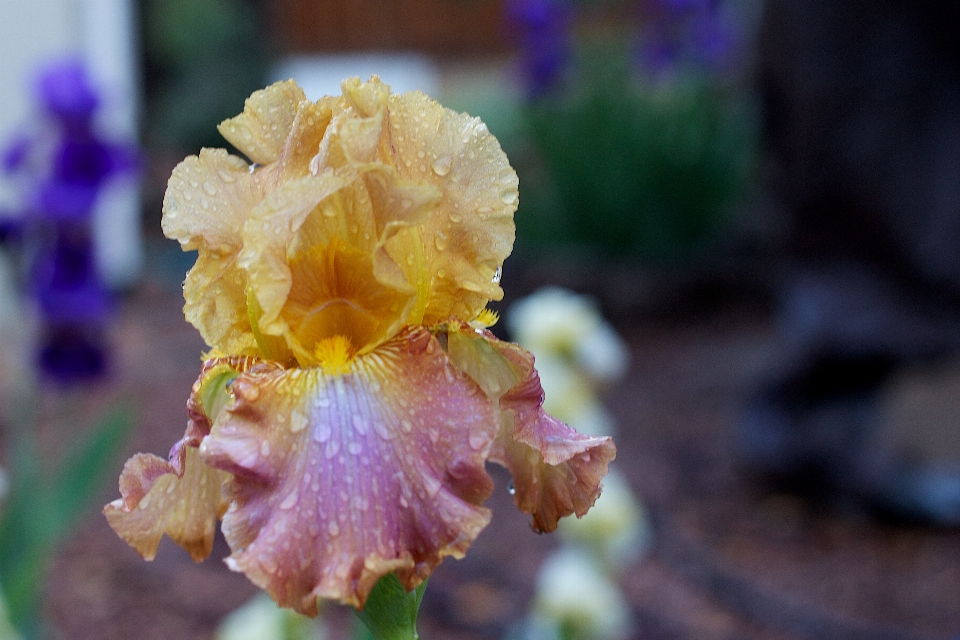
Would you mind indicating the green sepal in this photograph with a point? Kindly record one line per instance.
(391, 610)
(214, 394)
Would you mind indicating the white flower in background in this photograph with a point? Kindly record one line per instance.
(616, 529)
(567, 324)
(576, 599)
(262, 619)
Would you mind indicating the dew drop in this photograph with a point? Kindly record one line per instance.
(209, 188)
(406, 425)
(508, 196)
(382, 430)
(322, 401)
(441, 166)
(410, 259)
(332, 449)
(497, 275)
(470, 285)
(289, 501)
(265, 448)
(477, 440)
(440, 241)
(322, 432)
(484, 211)
(354, 448)
(187, 196)
(511, 489)
(359, 424)
(333, 528)
(456, 218)
(297, 422)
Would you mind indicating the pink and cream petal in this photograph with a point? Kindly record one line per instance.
(340, 479)
(556, 471)
(182, 500)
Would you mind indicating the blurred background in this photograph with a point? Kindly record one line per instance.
(761, 198)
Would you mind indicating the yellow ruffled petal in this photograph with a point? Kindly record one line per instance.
(206, 203)
(471, 232)
(268, 115)
(340, 479)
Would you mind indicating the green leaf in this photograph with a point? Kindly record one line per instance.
(391, 611)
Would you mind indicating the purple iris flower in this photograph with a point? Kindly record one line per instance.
(543, 30)
(56, 224)
(681, 32)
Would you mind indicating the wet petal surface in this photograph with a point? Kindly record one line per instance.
(340, 479)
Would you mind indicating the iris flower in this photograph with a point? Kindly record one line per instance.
(342, 420)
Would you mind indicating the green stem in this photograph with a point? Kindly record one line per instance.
(391, 611)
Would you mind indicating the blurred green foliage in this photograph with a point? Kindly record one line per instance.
(44, 503)
(628, 167)
(203, 59)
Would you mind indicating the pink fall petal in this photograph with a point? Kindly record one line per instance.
(341, 479)
(556, 470)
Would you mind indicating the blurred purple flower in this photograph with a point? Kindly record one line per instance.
(685, 32)
(56, 223)
(65, 281)
(64, 89)
(543, 30)
(72, 352)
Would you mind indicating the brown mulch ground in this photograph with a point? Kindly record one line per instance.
(728, 562)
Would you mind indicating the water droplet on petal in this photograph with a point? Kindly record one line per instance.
(289, 501)
(441, 166)
(470, 285)
(359, 424)
(406, 425)
(333, 528)
(210, 188)
(440, 241)
(509, 196)
(477, 440)
(497, 276)
(511, 489)
(354, 448)
(265, 448)
(322, 432)
(456, 218)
